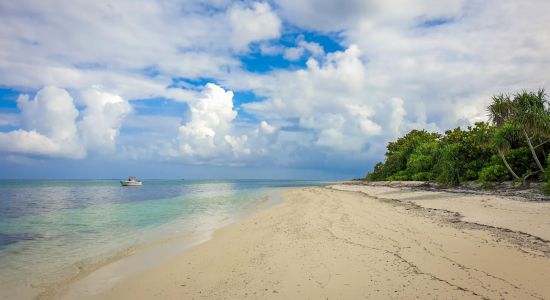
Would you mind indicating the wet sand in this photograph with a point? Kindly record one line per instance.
(349, 242)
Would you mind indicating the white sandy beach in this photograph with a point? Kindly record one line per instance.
(352, 241)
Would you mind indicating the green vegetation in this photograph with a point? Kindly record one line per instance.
(514, 145)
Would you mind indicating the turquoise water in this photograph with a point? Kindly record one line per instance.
(52, 230)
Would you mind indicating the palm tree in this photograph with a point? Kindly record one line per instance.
(499, 113)
(529, 111)
(500, 110)
(501, 142)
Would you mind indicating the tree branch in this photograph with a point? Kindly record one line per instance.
(542, 144)
(531, 173)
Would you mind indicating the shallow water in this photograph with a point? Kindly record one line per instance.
(52, 230)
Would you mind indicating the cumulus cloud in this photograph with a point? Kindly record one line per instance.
(328, 97)
(238, 145)
(397, 116)
(205, 135)
(336, 16)
(253, 24)
(323, 84)
(406, 64)
(268, 49)
(303, 47)
(131, 49)
(363, 114)
(101, 120)
(293, 53)
(418, 64)
(31, 142)
(49, 126)
(52, 125)
(266, 128)
(446, 59)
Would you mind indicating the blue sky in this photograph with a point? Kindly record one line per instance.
(249, 89)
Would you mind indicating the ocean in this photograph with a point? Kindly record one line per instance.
(55, 230)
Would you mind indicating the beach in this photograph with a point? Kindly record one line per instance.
(357, 241)
(56, 232)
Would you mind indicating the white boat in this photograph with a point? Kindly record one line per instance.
(131, 181)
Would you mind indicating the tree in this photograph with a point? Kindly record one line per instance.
(421, 162)
(500, 111)
(398, 154)
(473, 156)
(529, 112)
(512, 143)
(448, 166)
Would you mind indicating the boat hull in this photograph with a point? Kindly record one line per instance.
(130, 183)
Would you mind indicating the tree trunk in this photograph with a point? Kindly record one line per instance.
(542, 148)
(533, 151)
(507, 165)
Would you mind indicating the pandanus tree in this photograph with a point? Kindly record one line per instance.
(500, 112)
(531, 115)
(526, 116)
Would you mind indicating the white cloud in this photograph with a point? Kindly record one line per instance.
(303, 47)
(418, 64)
(406, 64)
(363, 114)
(336, 16)
(266, 128)
(329, 98)
(238, 144)
(52, 125)
(445, 59)
(131, 49)
(31, 142)
(210, 119)
(397, 116)
(49, 126)
(293, 53)
(322, 85)
(101, 120)
(51, 113)
(253, 24)
(271, 50)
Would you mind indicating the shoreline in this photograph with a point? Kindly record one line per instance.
(458, 207)
(199, 271)
(123, 258)
(111, 269)
(530, 192)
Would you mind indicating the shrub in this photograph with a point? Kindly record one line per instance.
(422, 176)
(471, 174)
(423, 158)
(378, 173)
(487, 186)
(492, 173)
(399, 176)
(448, 165)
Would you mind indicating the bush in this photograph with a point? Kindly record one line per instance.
(471, 174)
(423, 158)
(399, 176)
(493, 173)
(448, 165)
(521, 161)
(422, 176)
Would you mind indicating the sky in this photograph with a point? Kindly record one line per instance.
(250, 89)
